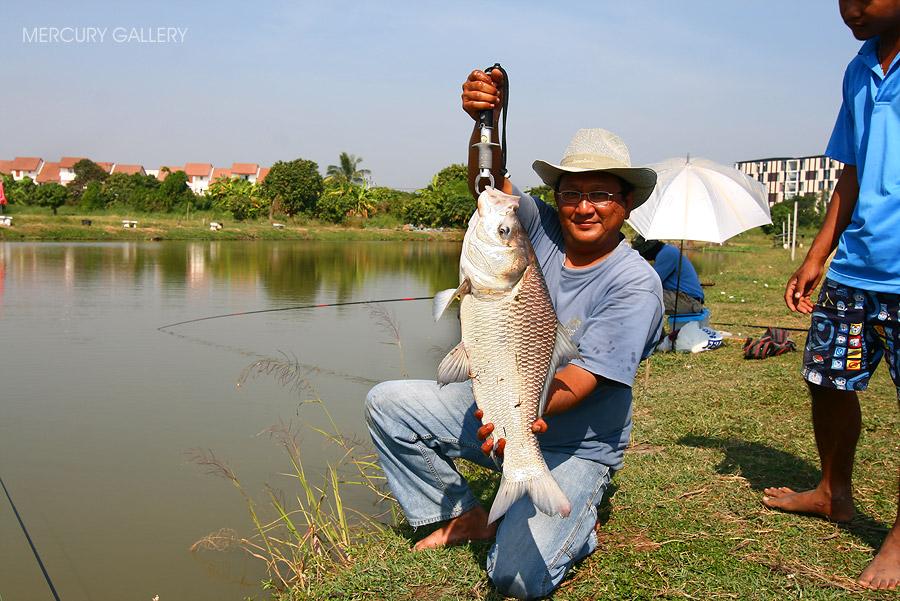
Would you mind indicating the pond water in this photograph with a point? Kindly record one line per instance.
(98, 404)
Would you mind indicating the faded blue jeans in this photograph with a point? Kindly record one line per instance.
(419, 429)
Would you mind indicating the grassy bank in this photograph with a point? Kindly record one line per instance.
(684, 519)
(158, 227)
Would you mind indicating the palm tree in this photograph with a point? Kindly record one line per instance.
(348, 170)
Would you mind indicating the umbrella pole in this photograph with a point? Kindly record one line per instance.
(677, 288)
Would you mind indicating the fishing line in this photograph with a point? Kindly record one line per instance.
(345, 304)
(31, 544)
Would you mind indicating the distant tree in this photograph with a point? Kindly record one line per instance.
(294, 186)
(347, 170)
(810, 213)
(134, 191)
(174, 191)
(336, 202)
(238, 197)
(455, 172)
(388, 200)
(446, 202)
(92, 198)
(544, 192)
(86, 171)
(51, 195)
(340, 200)
(23, 191)
(457, 206)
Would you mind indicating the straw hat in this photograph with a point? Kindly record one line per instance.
(599, 150)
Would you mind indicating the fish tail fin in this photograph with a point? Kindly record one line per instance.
(507, 494)
(548, 497)
(545, 493)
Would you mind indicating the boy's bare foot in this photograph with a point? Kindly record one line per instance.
(884, 572)
(813, 501)
(472, 525)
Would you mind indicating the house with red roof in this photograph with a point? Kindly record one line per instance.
(128, 169)
(263, 172)
(245, 171)
(49, 173)
(25, 167)
(218, 172)
(198, 176)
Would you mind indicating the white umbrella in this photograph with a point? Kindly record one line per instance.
(698, 199)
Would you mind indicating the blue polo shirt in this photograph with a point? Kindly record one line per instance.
(867, 134)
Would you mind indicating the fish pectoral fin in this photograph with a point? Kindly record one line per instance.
(564, 350)
(455, 366)
(443, 299)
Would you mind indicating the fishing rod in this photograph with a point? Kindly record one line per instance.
(345, 304)
(27, 536)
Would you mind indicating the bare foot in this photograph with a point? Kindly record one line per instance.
(884, 572)
(472, 525)
(816, 501)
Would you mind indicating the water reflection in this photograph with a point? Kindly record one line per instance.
(96, 404)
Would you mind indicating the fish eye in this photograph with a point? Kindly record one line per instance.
(504, 231)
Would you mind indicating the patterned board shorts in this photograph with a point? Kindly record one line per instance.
(851, 330)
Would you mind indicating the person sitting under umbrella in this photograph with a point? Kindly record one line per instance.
(685, 286)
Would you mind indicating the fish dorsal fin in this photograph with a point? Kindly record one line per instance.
(564, 350)
(443, 299)
(455, 366)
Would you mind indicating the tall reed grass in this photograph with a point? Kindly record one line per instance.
(313, 533)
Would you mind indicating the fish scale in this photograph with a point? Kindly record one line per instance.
(510, 376)
(512, 344)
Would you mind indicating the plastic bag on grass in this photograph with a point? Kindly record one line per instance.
(692, 338)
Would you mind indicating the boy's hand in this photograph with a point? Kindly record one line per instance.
(798, 293)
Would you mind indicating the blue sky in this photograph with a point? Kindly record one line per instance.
(268, 81)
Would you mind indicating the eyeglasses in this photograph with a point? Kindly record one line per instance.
(597, 198)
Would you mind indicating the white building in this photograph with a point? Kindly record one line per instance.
(198, 176)
(786, 177)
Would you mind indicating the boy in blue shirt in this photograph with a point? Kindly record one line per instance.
(856, 320)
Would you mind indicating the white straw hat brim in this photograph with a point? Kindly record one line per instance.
(642, 178)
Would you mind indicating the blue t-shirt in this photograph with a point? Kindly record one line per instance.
(666, 265)
(613, 310)
(867, 134)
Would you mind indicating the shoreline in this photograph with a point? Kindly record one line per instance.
(158, 228)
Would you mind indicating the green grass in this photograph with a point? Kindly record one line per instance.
(684, 518)
(37, 225)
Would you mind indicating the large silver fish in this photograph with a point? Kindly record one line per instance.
(512, 344)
